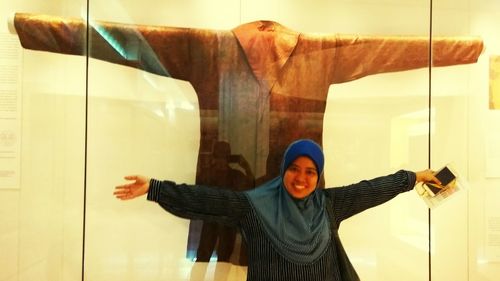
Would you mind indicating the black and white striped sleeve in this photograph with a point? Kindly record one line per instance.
(353, 199)
(199, 202)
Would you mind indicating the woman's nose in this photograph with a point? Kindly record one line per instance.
(301, 176)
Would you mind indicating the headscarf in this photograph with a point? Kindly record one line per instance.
(297, 228)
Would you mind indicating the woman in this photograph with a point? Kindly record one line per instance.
(290, 226)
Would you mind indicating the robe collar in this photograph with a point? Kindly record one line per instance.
(267, 46)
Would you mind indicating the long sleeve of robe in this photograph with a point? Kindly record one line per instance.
(254, 81)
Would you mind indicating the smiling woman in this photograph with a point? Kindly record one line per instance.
(301, 177)
(290, 226)
(303, 165)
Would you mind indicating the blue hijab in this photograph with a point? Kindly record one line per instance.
(297, 228)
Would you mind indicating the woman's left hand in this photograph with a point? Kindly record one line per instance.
(427, 176)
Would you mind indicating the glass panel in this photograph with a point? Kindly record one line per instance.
(42, 148)
(449, 141)
(147, 123)
(375, 126)
(465, 229)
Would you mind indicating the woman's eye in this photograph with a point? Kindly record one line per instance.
(311, 173)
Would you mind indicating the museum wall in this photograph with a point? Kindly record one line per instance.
(81, 124)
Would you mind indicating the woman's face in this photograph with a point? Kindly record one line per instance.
(301, 177)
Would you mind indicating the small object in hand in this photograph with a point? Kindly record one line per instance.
(447, 179)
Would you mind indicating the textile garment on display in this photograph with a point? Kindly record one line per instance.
(260, 86)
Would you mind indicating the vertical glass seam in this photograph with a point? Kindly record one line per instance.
(429, 217)
(87, 49)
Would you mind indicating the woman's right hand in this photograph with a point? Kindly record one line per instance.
(139, 187)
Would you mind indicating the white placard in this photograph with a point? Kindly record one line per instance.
(10, 111)
(492, 227)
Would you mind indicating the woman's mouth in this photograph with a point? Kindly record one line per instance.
(299, 186)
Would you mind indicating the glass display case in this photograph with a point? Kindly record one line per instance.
(93, 91)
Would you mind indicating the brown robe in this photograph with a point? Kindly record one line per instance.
(260, 86)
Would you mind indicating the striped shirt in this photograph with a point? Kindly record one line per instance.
(264, 262)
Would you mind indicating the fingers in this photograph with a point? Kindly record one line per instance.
(427, 176)
(131, 177)
(131, 190)
(134, 184)
(436, 180)
(121, 191)
(122, 186)
(431, 177)
(125, 196)
(124, 193)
